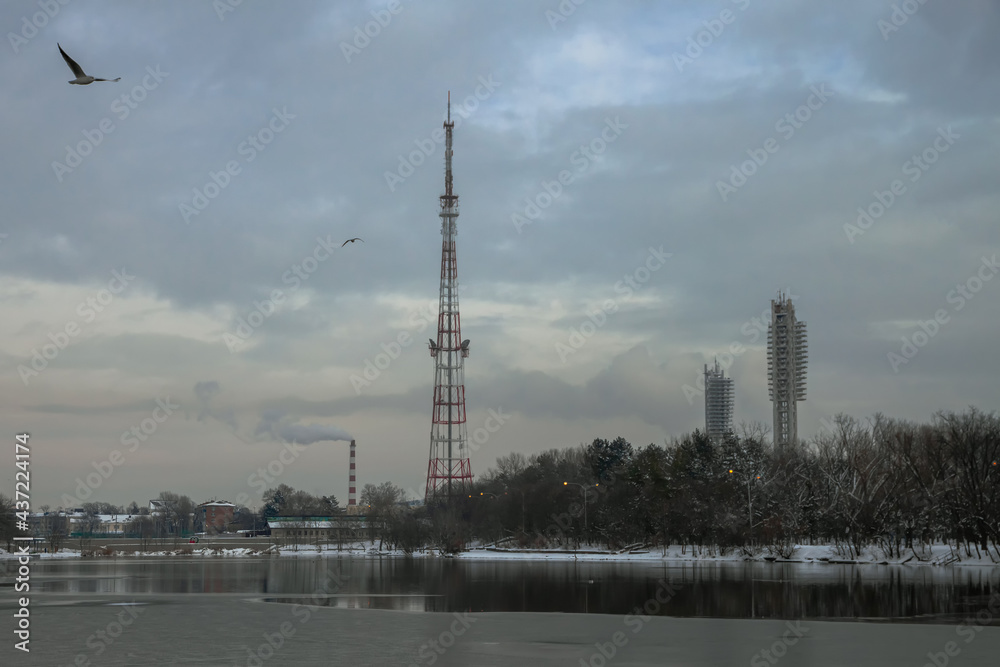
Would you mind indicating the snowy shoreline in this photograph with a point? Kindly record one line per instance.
(938, 554)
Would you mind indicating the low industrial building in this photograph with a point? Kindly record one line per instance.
(317, 529)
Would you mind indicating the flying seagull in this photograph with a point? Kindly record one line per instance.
(351, 241)
(81, 77)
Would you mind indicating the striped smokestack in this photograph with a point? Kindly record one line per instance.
(352, 491)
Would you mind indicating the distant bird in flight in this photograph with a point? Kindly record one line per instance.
(81, 77)
(351, 241)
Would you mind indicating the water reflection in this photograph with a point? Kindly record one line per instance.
(387, 602)
(718, 590)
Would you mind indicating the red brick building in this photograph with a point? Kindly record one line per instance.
(215, 515)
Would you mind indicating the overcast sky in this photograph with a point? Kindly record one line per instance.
(144, 220)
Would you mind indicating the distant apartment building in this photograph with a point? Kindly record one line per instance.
(718, 402)
(786, 368)
(105, 524)
(158, 507)
(215, 515)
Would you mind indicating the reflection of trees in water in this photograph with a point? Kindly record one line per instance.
(724, 590)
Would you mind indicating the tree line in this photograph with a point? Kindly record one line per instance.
(885, 483)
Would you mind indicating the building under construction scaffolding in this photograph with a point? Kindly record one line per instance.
(786, 368)
(718, 402)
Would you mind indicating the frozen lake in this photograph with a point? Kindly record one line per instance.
(213, 611)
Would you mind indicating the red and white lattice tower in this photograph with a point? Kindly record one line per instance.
(352, 489)
(449, 472)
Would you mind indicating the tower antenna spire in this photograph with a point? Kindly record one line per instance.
(449, 472)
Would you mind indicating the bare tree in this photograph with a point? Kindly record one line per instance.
(971, 443)
(178, 511)
(144, 528)
(383, 509)
(7, 524)
(55, 529)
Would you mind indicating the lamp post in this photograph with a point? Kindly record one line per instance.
(750, 479)
(583, 491)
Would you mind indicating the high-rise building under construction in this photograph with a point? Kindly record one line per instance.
(786, 368)
(718, 402)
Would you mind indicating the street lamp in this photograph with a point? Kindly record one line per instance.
(583, 491)
(495, 496)
(749, 504)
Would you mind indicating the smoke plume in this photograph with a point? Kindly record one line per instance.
(275, 424)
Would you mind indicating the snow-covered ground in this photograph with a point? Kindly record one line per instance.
(938, 554)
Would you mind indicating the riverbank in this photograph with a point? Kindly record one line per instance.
(937, 554)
